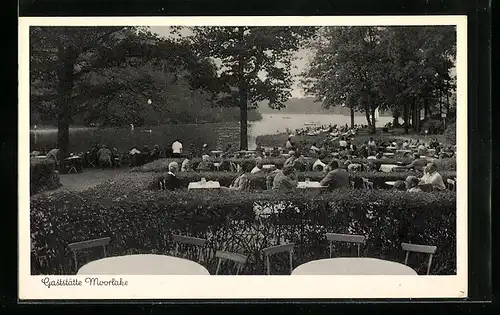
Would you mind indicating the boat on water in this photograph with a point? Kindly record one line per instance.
(311, 123)
(286, 117)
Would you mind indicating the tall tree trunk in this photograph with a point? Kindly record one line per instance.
(65, 76)
(405, 116)
(352, 116)
(243, 95)
(374, 128)
(367, 114)
(417, 115)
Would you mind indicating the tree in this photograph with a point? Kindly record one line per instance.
(107, 74)
(348, 68)
(255, 64)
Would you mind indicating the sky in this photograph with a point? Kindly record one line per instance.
(298, 65)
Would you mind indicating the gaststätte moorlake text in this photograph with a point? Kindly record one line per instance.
(88, 281)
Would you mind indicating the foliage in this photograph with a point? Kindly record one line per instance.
(433, 126)
(255, 63)
(403, 69)
(451, 133)
(142, 221)
(43, 176)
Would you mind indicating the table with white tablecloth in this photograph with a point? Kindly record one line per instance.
(268, 166)
(309, 185)
(143, 265)
(353, 266)
(387, 168)
(204, 185)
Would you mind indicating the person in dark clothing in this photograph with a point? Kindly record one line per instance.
(336, 177)
(155, 154)
(170, 181)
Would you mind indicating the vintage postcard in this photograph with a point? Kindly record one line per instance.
(243, 157)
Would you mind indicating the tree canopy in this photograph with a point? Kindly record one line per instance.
(403, 69)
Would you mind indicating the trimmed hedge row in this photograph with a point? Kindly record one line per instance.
(258, 181)
(447, 164)
(142, 222)
(43, 176)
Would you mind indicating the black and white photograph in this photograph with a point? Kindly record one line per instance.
(240, 155)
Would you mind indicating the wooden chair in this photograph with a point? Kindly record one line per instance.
(238, 259)
(367, 184)
(269, 251)
(188, 240)
(347, 238)
(451, 184)
(76, 247)
(426, 249)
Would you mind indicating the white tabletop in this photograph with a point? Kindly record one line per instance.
(388, 153)
(267, 166)
(353, 266)
(390, 183)
(309, 185)
(206, 185)
(387, 168)
(39, 157)
(143, 265)
(404, 151)
(74, 158)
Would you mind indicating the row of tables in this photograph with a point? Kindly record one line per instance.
(149, 264)
(215, 185)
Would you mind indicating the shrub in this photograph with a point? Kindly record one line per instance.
(451, 133)
(433, 126)
(43, 176)
(142, 222)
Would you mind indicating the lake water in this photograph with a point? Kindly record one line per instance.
(214, 134)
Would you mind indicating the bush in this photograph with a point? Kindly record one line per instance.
(142, 222)
(258, 181)
(433, 126)
(43, 176)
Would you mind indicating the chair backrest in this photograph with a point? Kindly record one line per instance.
(367, 184)
(451, 184)
(347, 238)
(188, 240)
(233, 167)
(239, 260)
(269, 251)
(426, 249)
(79, 246)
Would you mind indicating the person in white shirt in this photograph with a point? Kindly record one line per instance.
(258, 167)
(319, 166)
(314, 148)
(371, 142)
(289, 144)
(177, 148)
(432, 177)
(405, 144)
(343, 143)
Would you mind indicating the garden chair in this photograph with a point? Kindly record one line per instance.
(238, 259)
(367, 184)
(269, 251)
(91, 160)
(426, 249)
(233, 167)
(79, 246)
(451, 184)
(347, 238)
(188, 240)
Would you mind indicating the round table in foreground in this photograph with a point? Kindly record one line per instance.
(353, 266)
(143, 265)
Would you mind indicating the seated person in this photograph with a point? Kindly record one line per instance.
(336, 177)
(270, 177)
(155, 154)
(186, 166)
(145, 149)
(379, 156)
(300, 164)
(371, 143)
(240, 181)
(432, 177)
(291, 158)
(314, 149)
(259, 150)
(318, 165)
(417, 162)
(399, 185)
(170, 180)
(405, 145)
(104, 156)
(421, 149)
(285, 179)
(412, 184)
(354, 167)
(205, 165)
(53, 155)
(258, 166)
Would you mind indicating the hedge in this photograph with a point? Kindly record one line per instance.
(141, 221)
(43, 176)
(258, 181)
(447, 164)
